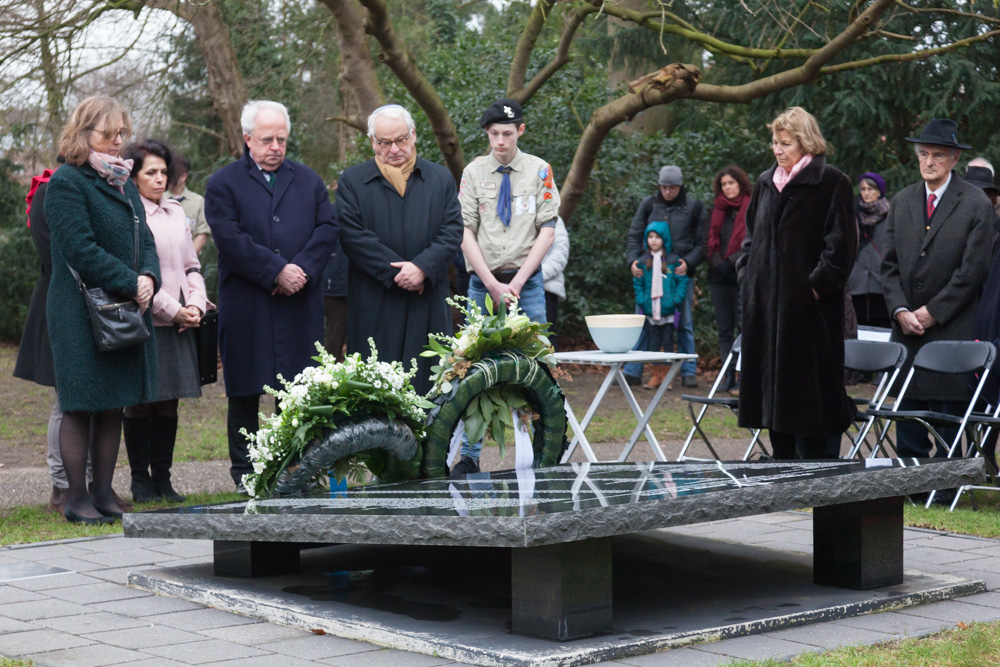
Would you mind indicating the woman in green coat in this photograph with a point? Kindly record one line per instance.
(91, 206)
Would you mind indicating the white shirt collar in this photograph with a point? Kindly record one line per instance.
(939, 193)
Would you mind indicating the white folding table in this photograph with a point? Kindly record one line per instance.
(615, 363)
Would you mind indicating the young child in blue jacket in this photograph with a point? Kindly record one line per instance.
(659, 267)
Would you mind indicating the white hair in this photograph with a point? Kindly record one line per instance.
(250, 110)
(390, 111)
(982, 162)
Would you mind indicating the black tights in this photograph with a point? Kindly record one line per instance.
(157, 409)
(103, 432)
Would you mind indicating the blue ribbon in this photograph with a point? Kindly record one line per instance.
(503, 201)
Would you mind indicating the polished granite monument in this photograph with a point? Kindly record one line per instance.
(557, 523)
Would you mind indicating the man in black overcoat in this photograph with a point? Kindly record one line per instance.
(401, 224)
(274, 227)
(936, 258)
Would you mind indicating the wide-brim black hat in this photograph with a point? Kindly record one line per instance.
(981, 177)
(940, 132)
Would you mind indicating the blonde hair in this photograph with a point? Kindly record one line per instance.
(803, 126)
(88, 114)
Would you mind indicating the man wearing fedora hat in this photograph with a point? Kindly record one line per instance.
(937, 254)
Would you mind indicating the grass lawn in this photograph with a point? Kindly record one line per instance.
(39, 523)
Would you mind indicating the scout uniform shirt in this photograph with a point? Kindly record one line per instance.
(534, 203)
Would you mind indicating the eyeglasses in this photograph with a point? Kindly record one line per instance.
(386, 144)
(122, 134)
(935, 157)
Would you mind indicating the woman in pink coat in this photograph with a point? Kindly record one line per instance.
(150, 429)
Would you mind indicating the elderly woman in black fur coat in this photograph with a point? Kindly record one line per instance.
(800, 245)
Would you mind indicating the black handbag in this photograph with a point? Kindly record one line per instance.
(206, 338)
(116, 320)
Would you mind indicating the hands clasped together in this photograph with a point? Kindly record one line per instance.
(290, 280)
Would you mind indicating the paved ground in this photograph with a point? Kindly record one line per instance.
(86, 616)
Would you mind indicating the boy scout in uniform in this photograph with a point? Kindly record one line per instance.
(509, 206)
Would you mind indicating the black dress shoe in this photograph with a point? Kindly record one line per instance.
(110, 514)
(166, 491)
(73, 517)
(632, 380)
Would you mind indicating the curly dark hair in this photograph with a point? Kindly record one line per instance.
(139, 150)
(738, 175)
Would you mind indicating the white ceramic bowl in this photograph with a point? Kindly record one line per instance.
(615, 333)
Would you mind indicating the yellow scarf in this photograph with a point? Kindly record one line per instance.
(397, 176)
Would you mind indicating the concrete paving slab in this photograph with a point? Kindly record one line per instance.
(37, 641)
(992, 551)
(893, 623)
(256, 634)
(72, 564)
(315, 647)
(119, 575)
(100, 621)
(197, 620)
(991, 599)
(65, 579)
(828, 636)
(386, 656)
(755, 647)
(202, 652)
(93, 655)
(125, 558)
(145, 638)
(265, 661)
(44, 608)
(954, 611)
(917, 556)
(97, 592)
(10, 594)
(678, 657)
(9, 625)
(114, 543)
(956, 543)
(148, 606)
(153, 661)
(185, 549)
(42, 554)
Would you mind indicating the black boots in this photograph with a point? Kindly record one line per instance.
(137, 433)
(150, 445)
(161, 450)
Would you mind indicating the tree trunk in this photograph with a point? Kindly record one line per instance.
(53, 88)
(357, 70)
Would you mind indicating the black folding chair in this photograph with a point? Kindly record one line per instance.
(945, 357)
(730, 402)
(870, 356)
(980, 426)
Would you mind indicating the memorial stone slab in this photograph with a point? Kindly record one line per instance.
(556, 520)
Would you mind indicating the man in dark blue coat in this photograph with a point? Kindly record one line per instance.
(402, 224)
(274, 227)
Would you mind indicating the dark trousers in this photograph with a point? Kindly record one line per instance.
(335, 319)
(242, 414)
(786, 446)
(551, 311)
(728, 314)
(912, 439)
(660, 337)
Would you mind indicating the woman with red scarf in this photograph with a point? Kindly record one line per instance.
(732, 190)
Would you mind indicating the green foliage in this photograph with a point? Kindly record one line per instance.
(18, 258)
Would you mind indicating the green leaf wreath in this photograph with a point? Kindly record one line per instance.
(318, 398)
(489, 413)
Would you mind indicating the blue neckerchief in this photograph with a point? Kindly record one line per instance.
(503, 201)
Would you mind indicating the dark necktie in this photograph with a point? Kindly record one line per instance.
(271, 177)
(503, 201)
(930, 205)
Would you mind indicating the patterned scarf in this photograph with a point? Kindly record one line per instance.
(656, 290)
(112, 169)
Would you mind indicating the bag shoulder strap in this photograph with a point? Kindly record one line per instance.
(135, 257)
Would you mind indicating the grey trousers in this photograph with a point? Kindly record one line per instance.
(53, 457)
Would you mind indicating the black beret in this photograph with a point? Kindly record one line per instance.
(501, 111)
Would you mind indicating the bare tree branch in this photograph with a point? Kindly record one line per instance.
(357, 122)
(562, 56)
(526, 44)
